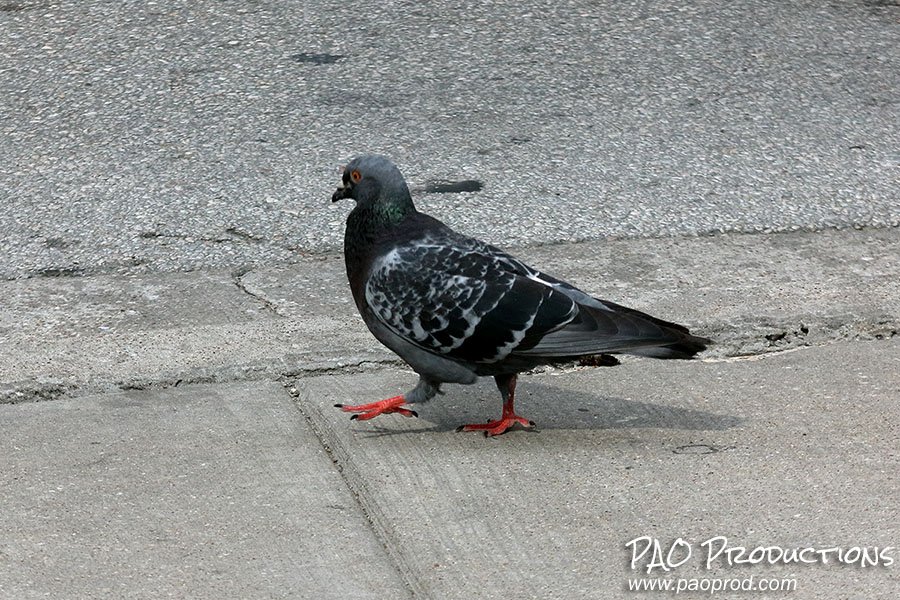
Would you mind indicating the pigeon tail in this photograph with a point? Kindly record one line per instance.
(686, 349)
(608, 328)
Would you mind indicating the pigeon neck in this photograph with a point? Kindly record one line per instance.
(392, 211)
(370, 223)
(383, 213)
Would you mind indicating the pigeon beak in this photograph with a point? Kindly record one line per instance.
(342, 192)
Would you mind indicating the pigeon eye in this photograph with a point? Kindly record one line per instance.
(355, 176)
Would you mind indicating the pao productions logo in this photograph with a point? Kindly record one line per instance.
(649, 555)
(651, 558)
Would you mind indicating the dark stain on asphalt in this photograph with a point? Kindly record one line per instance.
(317, 59)
(453, 187)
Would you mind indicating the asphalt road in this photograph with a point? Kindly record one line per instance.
(169, 136)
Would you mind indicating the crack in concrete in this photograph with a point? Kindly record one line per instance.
(238, 277)
(233, 234)
(356, 484)
(241, 234)
(48, 389)
(746, 340)
(237, 235)
(732, 340)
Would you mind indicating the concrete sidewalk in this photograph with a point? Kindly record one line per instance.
(223, 491)
(192, 450)
(751, 293)
(794, 450)
(197, 492)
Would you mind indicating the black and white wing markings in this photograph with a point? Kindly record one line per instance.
(460, 302)
(597, 325)
(517, 266)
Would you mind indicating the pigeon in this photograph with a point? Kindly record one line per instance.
(455, 308)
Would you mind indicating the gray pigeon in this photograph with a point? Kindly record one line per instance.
(456, 309)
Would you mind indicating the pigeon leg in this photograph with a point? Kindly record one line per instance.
(367, 411)
(507, 385)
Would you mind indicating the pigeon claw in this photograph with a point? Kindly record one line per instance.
(382, 407)
(501, 425)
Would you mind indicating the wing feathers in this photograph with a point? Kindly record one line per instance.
(596, 331)
(458, 297)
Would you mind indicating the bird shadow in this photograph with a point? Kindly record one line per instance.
(552, 407)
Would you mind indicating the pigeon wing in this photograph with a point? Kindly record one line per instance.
(603, 326)
(463, 303)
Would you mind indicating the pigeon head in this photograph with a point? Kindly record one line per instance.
(372, 179)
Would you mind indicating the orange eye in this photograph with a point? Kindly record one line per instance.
(355, 176)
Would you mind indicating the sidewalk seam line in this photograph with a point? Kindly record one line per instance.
(353, 480)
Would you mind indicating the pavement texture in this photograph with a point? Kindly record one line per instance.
(175, 323)
(225, 491)
(191, 447)
(747, 449)
(207, 491)
(752, 293)
(208, 133)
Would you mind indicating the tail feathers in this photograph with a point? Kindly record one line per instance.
(686, 348)
(614, 329)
